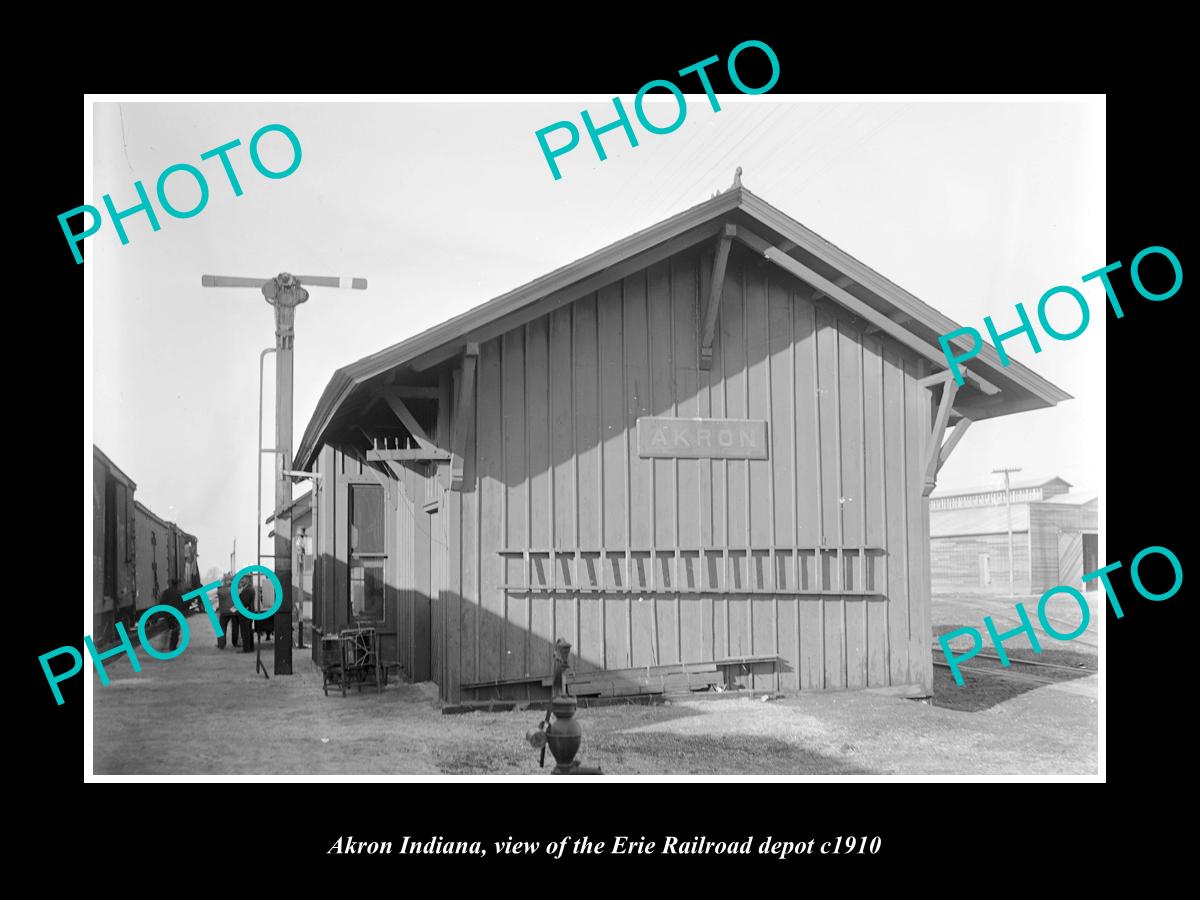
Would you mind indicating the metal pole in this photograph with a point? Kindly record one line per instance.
(1012, 593)
(284, 338)
(258, 520)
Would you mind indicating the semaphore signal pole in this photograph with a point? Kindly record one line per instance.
(284, 292)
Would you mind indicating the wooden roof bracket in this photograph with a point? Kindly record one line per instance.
(879, 319)
(464, 413)
(709, 326)
(427, 450)
(373, 440)
(933, 447)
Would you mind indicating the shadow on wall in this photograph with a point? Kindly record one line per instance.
(410, 635)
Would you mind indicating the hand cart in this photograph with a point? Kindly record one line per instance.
(352, 658)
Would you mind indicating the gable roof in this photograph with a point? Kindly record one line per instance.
(296, 509)
(1020, 388)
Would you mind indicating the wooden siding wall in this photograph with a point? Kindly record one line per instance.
(560, 485)
(955, 563)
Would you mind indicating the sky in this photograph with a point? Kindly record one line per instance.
(442, 205)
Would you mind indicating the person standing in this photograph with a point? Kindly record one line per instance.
(226, 611)
(247, 595)
(172, 597)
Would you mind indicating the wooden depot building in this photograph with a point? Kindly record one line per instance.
(702, 454)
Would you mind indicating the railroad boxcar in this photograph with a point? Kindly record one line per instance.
(153, 537)
(182, 560)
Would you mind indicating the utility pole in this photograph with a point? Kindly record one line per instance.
(1008, 509)
(284, 292)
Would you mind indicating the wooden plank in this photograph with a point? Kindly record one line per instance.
(587, 415)
(875, 511)
(733, 369)
(685, 404)
(783, 471)
(470, 609)
(464, 414)
(422, 455)
(828, 574)
(895, 425)
(716, 286)
(610, 385)
(538, 508)
(951, 442)
(491, 515)
(562, 438)
(516, 474)
(809, 521)
(920, 649)
(758, 399)
(916, 431)
(761, 611)
(858, 307)
(853, 481)
(662, 395)
(637, 403)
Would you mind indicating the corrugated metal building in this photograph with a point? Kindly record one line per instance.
(1055, 538)
(709, 444)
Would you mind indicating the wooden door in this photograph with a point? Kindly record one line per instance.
(1070, 558)
(365, 534)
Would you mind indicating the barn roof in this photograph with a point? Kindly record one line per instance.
(1015, 484)
(1014, 388)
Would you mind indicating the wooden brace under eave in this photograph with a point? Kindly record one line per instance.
(934, 447)
(709, 325)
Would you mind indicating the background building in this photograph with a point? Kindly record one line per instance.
(1054, 538)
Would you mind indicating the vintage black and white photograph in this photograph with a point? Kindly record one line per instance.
(687, 434)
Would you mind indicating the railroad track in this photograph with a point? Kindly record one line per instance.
(1017, 676)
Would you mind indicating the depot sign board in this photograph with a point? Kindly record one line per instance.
(701, 438)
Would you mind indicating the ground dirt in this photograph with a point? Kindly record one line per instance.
(208, 712)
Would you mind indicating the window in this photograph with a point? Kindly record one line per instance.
(367, 555)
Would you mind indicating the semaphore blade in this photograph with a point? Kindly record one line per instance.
(231, 281)
(358, 284)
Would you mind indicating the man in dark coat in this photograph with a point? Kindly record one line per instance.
(227, 612)
(247, 595)
(172, 597)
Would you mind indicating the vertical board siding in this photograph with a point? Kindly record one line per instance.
(556, 493)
